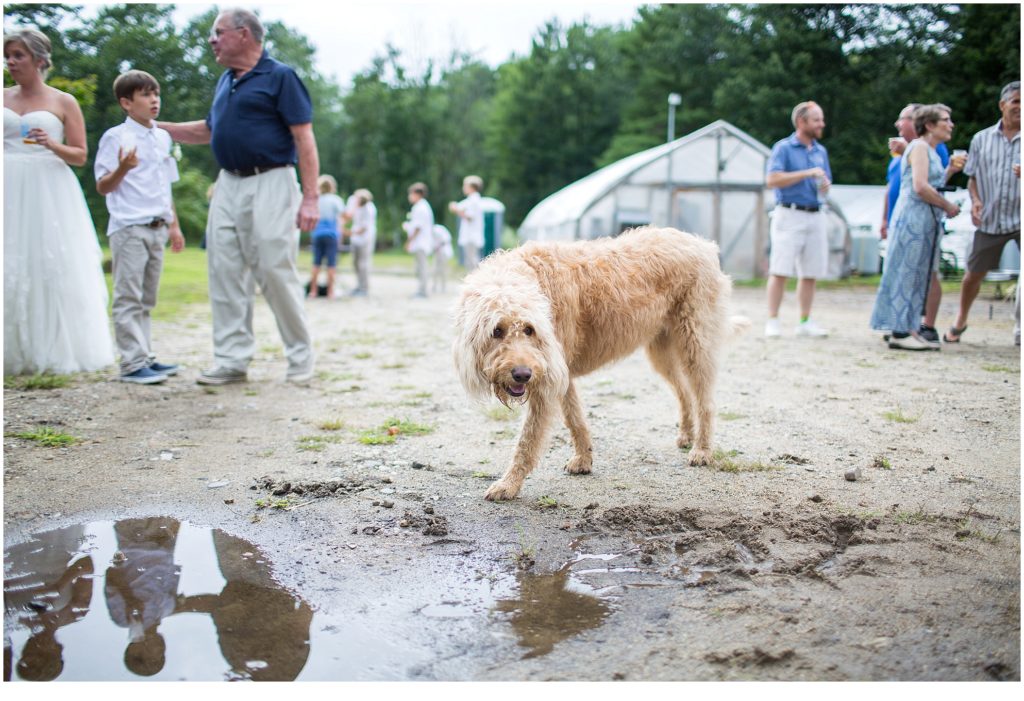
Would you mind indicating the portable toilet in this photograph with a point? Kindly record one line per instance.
(494, 222)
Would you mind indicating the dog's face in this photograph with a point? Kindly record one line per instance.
(505, 345)
(514, 363)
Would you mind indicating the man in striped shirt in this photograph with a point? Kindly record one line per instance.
(993, 167)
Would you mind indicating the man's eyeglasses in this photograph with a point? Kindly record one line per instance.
(216, 33)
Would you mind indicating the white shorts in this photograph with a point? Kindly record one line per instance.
(799, 244)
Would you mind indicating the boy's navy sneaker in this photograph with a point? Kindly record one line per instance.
(144, 376)
(163, 369)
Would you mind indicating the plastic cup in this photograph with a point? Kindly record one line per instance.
(961, 155)
(25, 138)
(128, 142)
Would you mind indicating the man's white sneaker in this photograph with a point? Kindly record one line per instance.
(811, 329)
(772, 328)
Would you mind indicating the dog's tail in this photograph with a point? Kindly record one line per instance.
(738, 325)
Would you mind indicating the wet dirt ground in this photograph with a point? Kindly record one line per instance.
(344, 522)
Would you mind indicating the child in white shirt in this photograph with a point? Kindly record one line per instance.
(134, 169)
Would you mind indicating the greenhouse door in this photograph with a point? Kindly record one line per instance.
(734, 219)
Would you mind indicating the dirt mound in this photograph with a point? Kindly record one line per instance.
(314, 489)
(644, 520)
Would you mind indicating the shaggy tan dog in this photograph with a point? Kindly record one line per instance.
(531, 319)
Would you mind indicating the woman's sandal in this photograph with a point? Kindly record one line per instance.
(956, 332)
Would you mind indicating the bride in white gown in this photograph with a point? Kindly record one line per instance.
(55, 299)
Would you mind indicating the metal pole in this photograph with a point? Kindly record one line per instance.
(673, 100)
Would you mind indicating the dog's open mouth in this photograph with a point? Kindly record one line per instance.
(516, 390)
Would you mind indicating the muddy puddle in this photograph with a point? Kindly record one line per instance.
(162, 599)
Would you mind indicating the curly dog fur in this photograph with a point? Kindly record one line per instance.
(530, 320)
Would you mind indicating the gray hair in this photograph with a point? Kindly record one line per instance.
(37, 43)
(240, 17)
(1009, 89)
(928, 114)
(801, 110)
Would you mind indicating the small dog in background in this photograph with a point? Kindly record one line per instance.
(530, 320)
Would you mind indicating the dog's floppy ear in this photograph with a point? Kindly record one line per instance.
(557, 371)
(467, 346)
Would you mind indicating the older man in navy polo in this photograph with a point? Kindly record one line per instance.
(798, 169)
(259, 124)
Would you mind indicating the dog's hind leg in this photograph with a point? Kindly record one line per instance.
(700, 365)
(665, 359)
(583, 460)
(532, 439)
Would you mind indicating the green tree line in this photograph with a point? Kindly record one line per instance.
(582, 97)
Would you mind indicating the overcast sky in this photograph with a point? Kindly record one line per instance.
(347, 35)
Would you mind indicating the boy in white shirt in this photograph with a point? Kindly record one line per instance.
(134, 169)
(420, 229)
(471, 220)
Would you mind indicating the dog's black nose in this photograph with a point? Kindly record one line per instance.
(521, 373)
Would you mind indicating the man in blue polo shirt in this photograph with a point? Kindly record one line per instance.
(259, 124)
(798, 169)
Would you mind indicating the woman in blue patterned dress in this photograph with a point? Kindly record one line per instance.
(913, 233)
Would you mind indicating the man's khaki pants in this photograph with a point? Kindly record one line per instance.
(251, 239)
(137, 254)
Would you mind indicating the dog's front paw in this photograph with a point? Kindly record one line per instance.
(579, 465)
(699, 457)
(501, 491)
(684, 441)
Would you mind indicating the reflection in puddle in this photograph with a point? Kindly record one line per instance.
(162, 599)
(152, 598)
(552, 608)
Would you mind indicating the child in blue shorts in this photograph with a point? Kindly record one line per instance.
(326, 235)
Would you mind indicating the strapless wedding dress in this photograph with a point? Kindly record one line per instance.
(55, 298)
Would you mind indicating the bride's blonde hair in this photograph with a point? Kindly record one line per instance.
(37, 43)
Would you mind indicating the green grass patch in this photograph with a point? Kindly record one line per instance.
(998, 368)
(481, 475)
(899, 416)
(362, 355)
(730, 416)
(881, 462)
(327, 376)
(870, 282)
(546, 502)
(182, 282)
(47, 436)
(913, 518)
(315, 443)
(864, 515)
(331, 425)
(361, 338)
(725, 461)
(393, 366)
(389, 431)
(503, 413)
(273, 502)
(37, 381)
